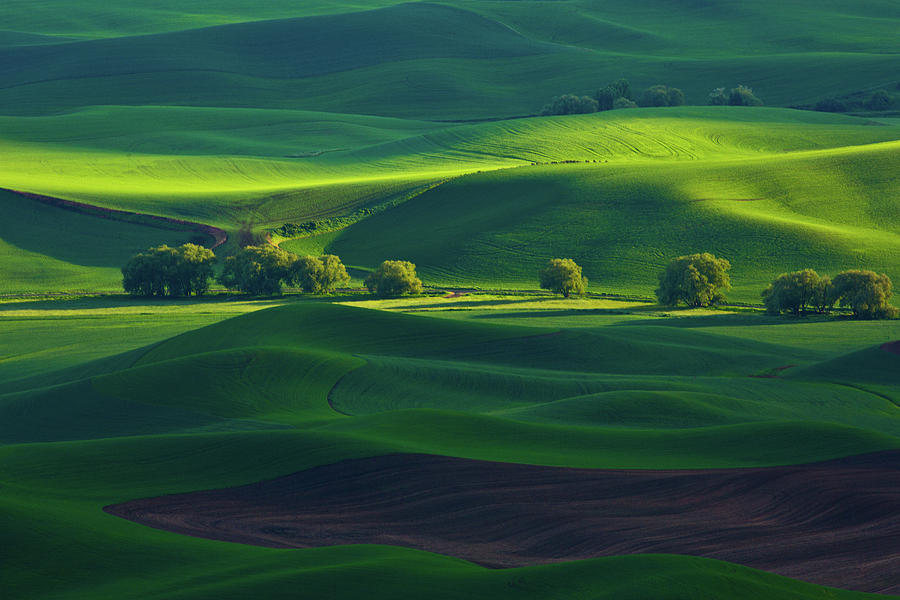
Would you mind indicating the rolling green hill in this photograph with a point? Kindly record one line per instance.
(251, 398)
(414, 122)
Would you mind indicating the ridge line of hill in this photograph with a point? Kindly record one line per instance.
(218, 235)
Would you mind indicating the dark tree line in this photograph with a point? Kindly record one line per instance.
(255, 270)
(866, 293)
(615, 95)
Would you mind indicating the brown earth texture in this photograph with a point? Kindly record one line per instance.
(834, 523)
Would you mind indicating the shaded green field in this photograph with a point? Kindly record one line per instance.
(45, 249)
(251, 398)
(790, 54)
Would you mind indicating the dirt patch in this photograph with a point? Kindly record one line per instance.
(892, 347)
(218, 236)
(456, 294)
(835, 523)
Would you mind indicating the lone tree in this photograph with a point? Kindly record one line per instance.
(797, 292)
(165, 271)
(320, 275)
(394, 278)
(257, 270)
(563, 276)
(696, 280)
(866, 293)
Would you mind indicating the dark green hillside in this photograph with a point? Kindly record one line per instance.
(254, 398)
(406, 60)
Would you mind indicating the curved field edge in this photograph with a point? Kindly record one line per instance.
(88, 475)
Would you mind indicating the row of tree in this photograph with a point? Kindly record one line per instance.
(702, 280)
(615, 95)
(618, 94)
(695, 280)
(256, 270)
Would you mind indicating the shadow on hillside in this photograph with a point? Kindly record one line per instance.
(728, 320)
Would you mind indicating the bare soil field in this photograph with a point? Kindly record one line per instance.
(834, 523)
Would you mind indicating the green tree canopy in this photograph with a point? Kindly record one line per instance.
(617, 90)
(696, 280)
(866, 293)
(736, 96)
(661, 95)
(163, 271)
(257, 270)
(319, 275)
(394, 278)
(797, 292)
(563, 276)
(570, 104)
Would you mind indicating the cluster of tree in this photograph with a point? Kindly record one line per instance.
(255, 270)
(616, 95)
(570, 104)
(261, 271)
(702, 279)
(662, 95)
(165, 271)
(865, 293)
(736, 96)
(880, 100)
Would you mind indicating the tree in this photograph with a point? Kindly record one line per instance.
(796, 292)
(743, 96)
(880, 100)
(866, 293)
(737, 96)
(563, 276)
(696, 280)
(676, 97)
(607, 96)
(163, 271)
(319, 275)
(622, 89)
(831, 105)
(394, 278)
(717, 97)
(662, 95)
(624, 103)
(257, 270)
(570, 104)
(657, 95)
